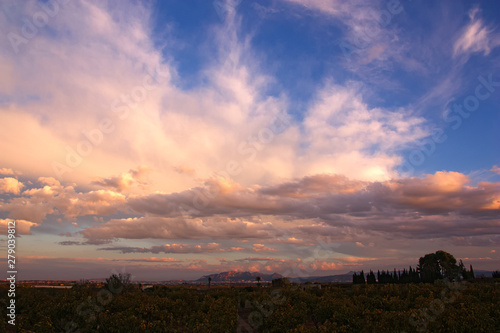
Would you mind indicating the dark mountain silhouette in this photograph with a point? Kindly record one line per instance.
(238, 277)
(347, 277)
(242, 277)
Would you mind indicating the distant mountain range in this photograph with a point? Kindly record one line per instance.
(250, 277)
(238, 277)
(347, 277)
(480, 273)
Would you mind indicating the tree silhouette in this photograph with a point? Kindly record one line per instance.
(439, 265)
(370, 279)
(209, 281)
(448, 264)
(116, 283)
(362, 278)
(258, 278)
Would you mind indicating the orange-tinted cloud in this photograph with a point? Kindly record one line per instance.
(175, 248)
(8, 172)
(10, 185)
(125, 181)
(22, 227)
(262, 248)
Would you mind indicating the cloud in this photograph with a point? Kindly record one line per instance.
(53, 198)
(151, 259)
(93, 95)
(480, 241)
(292, 240)
(8, 172)
(475, 37)
(292, 212)
(495, 169)
(174, 248)
(345, 136)
(22, 227)
(328, 193)
(10, 185)
(74, 59)
(88, 242)
(70, 243)
(118, 42)
(231, 115)
(446, 192)
(370, 41)
(263, 248)
(125, 181)
(178, 228)
(442, 204)
(316, 185)
(355, 259)
(185, 170)
(299, 267)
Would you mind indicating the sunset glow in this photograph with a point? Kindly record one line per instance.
(175, 139)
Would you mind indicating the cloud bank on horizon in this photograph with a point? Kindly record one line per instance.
(304, 137)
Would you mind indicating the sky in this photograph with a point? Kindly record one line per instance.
(175, 139)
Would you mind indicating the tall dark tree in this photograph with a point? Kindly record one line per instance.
(462, 269)
(370, 278)
(428, 267)
(414, 278)
(395, 277)
(448, 264)
(358, 278)
(209, 281)
(434, 266)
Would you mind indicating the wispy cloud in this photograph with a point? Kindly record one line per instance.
(476, 37)
(103, 142)
(175, 248)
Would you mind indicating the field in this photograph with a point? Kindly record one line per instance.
(438, 307)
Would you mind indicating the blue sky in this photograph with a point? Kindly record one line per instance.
(305, 137)
(302, 48)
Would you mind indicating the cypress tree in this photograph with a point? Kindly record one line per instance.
(370, 279)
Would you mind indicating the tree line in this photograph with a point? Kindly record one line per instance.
(431, 267)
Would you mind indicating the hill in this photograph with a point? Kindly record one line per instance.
(347, 277)
(238, 277)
